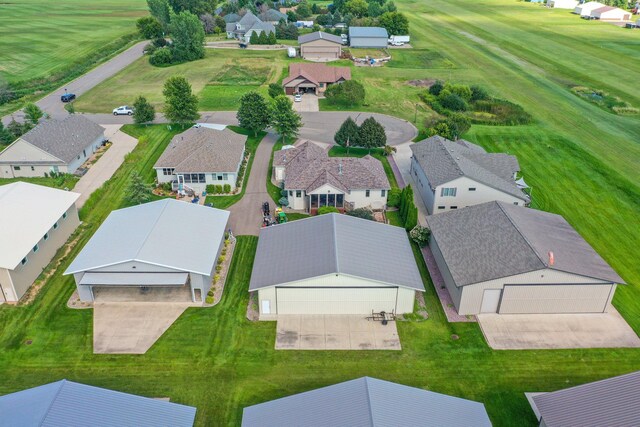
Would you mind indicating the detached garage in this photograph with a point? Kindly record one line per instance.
(500, 258)
(334, 264)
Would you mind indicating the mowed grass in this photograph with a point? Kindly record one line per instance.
(39, 38)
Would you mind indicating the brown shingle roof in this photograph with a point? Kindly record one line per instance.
(202, 150)
(320, 73)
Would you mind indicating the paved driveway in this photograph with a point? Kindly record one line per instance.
(309, 103)
(106, 165)
(324, 332)
(556, 331)
(131, 328)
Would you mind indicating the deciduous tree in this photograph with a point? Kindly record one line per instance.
(395, 23)
(33, 113)
(149, 27)
(188, 37)
(161, 10)
(275, 89)
(283, 118)
(253, 113)
(348, 94)
(357, 8)
(181, 105)
(143, 111)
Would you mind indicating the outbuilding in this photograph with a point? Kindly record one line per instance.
(585, 9)
(500, 258)
(320, 46)
(610, 13)
(334, 264)
(562, 4)
(376, 37)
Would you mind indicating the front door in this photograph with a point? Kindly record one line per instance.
(490, 300)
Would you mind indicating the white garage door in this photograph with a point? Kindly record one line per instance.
(531, 299)
(335, 300)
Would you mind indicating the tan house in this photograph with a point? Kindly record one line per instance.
(313, 78)
(320, 46)
(36, 222)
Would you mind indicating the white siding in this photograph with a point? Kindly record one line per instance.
(464, 197)
(360, 199)
(85, 154)
(455, 292)
(335, 300)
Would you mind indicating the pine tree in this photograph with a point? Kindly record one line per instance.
(263, 38)
(137, 191)
(33, 113)
(254, 38)
(371, 134)
(348, 132)
(272, 38)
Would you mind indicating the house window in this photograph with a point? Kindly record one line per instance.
(46, 236)
(448, 192)
(290, 193)
(64, 215)
(194, 178)
(383, 193)
(366, 193)
(440, 207)
(321, 84)
(472, 189)
(219, 177)
(225, 176)
(16, 168)
(35, 248)
(24, 261)
(454, 207)
(167, 171)
(339, 200)
(298, 193)
(32, 168)
(55, 226)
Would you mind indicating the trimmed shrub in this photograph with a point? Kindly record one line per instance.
(216, 278)
(210, 293)
(393, 197)
(211, 189)
(327, 209)
(283, 201)
(218, 268)
(208, 300)
(363, 213)
(226, 188)
(218, 188)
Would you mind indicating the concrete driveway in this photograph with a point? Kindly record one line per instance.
(131, 328)
(324, 332)
(557, 331)
(106, 165)
(309, 103)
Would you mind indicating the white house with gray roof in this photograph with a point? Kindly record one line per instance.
(451, 175)
(58, 146)
(246, 26)
(312, 179)
(35, 221)
(367, 402)
(67, 403)
(334, 264)
(201, 156)
(609, 402)
(160, 251)
(500, 258)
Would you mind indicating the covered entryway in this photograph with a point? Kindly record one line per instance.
(540, 299)
(327, 300)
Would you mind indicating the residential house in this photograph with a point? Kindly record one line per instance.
(201, 156)
(451, 175)
(609, 402)
(58, 146)
(376, 37)
(585, 9)
(272, 16)
(500, 258)
(320, 46)
(312, 179)
(334, 264)
(67, 403)
(35, 222)
(610, 13)
(159, 251)
(313, 77)
(562, 4)
(246, 26)
(367, 402)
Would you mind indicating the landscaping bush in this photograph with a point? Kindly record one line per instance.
(211, 189)
(327, 209)
(226, 188)
(208, 300)
(219, 188)
(420, 235)
(436, 88)
(283, 201)
(160, 57)
(452, 101)
(393, 197)
(463, 91)
(275, 89)
(363, 213)
(218, 268)
(216, 278)
(478, 93)
(210, 293)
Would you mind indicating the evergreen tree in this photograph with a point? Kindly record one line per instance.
(254, 39)
(137, 191)
(371, 134)
(263, 38)
(181, 105)
(348, 132)
(283, 118)
(253, 113)
(272, 38)
(6, 137)
(143, 111)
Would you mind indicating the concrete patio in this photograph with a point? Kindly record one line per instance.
(334, 332)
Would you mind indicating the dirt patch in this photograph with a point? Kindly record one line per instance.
(252, 308)
(422, 83)
(75, 302)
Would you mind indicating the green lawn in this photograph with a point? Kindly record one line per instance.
(62, 181)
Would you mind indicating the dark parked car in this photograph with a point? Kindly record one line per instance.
(68, 97)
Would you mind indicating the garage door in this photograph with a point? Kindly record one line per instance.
(530, 299)
(335, 300)
(320, 53)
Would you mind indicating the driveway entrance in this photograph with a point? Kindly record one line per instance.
(309, 103)
(335, 332)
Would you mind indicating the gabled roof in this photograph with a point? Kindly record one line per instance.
(203, 150)
(27, 212)
(319, 35)
(231, 18)
(169, 233)
(610, 402)
(317, 72)
(248, 19)
(66, 403)
(64, 139)
(495, 240)
(308, 167)
(368, 32)
(264, 26)
(367, 402)
(341, 245)
(443, 161)
(272, 15)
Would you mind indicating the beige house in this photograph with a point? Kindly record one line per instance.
(334, 264)
(500, 258)
(58, 146)
(36, 222)
(312, 179)
(313, 78)
(320, 47)
(452, 175)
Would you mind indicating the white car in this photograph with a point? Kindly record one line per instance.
(123, 111)
(397, 44)
(297, 97)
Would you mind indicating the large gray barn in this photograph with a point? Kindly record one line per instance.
(499, 258)
(368, 37)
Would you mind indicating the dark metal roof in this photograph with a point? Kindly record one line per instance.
(65, 403)
(610, 402)
(367, 402)
(368, 32)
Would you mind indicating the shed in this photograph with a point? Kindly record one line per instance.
(609, 13)
(376, 37)
(585, 9)
(334, 264)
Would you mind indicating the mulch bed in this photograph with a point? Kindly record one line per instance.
(219, 286)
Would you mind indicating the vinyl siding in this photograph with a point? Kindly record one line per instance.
(464, 197)
(380, 42)
(455, 292)
(422, 185)
(85, 154)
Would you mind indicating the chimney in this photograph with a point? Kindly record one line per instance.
(552, 260)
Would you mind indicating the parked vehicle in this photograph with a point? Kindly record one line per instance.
(399, 39)
(297, 97)
(68, 97)
(396, 44)
(123, 111)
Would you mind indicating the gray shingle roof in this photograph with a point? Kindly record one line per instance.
(443, 161)
(65, 403)
(341, 245)
(170, 233)
(610, 402)
(272, 15)
(319, 35)
(495, 239)
(367, 402)
(204, 150)
(231, 18)
(248, 19)
(368, 32)
(64, 139)
(308, 167)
